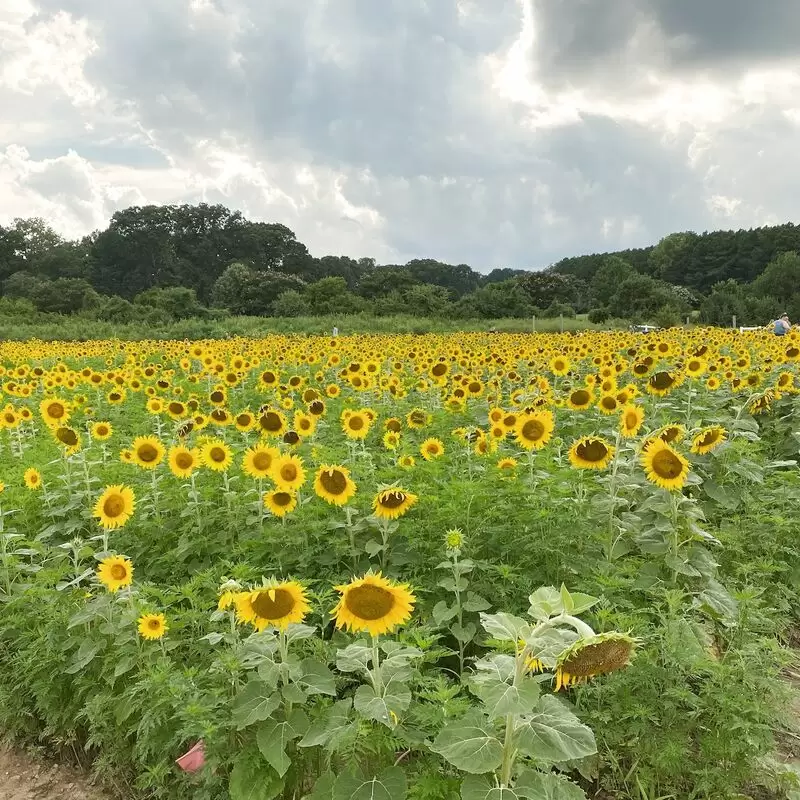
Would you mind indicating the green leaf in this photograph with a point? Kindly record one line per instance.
(273, 737)
(250, 781)
(323, 788)
(332, 724)
(353, 658)
(497, 667)
(464, 633)
(500, 698)
(722, 496)
(548, 644)
(86, 653)
(545, 602)
(535, 785)
(718, 604)
(470, 744)
(384, 706)
(297, 631)
(254, 703)
(443, 613)
(293, 694)
(269, 672)
(475, 602)
(582, 602)
(553, 733)
(389, 785)
(505, 627)
(316, 678)
(484, 787)
(680, 565)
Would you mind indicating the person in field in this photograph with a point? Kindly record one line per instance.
(781, 326)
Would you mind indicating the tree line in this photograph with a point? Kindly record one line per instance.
(181, 261)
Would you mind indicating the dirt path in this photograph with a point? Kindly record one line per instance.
(25, 778)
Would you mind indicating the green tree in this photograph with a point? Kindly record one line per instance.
(427, 300)
(176, 301)
(496, 301)
(670, 258)
(638, 298)
(548, 287)
(331, 296)
(64, 296)
(245, 291)
(290, 303)
(605, 282)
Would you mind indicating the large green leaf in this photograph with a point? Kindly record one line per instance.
(470, 744)
(501, 698)
(389, 785)
(385, 705)
(353, 658)
(535, 785)
(273, 737)
(251, 781)
(330, 727)
(254, 703)
(505, 627)
(316, 678)
(484, 787)
(545, 602)
(553, 733)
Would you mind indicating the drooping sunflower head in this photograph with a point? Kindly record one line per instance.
(333, 484)
(152, 626)
(393, 502)
(665, 466)
(708, 439)
(762, 402)
(280, 502)
(115, 506)
(591, 452)
(373, 604)
(115, 573)
(147, 451)
(593, 656)
(671, 434)
(277, 604)
(68, 438)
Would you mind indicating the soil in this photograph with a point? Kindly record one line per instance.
(23, 777)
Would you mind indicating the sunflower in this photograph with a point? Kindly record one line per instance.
(115, 506)
(608, 404)
(373, 604)
(33, 478)
(356, 424)
(391, 440)
(534, 430)
(630, 420)
(272, 422)
(671, 434)
(288, 473)
(216, 455)
(559, 365)
(431, 449)
(183, 461)
(507, 465)
(152, 626)
(147, 451)
(664, 466)
(708, 439)
(258, 460)
(277, 604)
(406, 462)
(280, 502)
(333, 484)
(662, 383)
(593, 655)
(68, 438)
(591, 452)
(101, 431)
(54, 412)
(580, 399)
(417, 418)
(393, 502)
(115, 572)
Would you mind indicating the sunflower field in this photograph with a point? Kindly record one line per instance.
(486, 566)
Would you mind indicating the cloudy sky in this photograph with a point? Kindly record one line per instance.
(491, 132)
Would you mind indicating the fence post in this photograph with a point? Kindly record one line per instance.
(534, 323)
(562, 323)
(734, 320)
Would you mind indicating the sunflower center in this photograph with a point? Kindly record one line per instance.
(593, 450)
(392, 499)
(147, 453)
(333, 481)
(262, 461)
(176, 408)
(709, 438)
(356, 423)
(369, 602)
(609, 403)
(598, 659)
(114, 505)
(217, 397)
(55, 410)
(154, 624)
(273, 603)
(439, 370)
(580, 397)
(533, 430)
(271, 422)
(631, 419)
(289, 472)
(67, 436)
(666, 464)
(394, 426)
(119, 572)
(282, 499)
(184, 460)
(417, 417)
(217, 455)
(662, 380)
(102, 430)
(243, 419)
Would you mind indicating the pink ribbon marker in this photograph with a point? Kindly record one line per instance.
(194, 759)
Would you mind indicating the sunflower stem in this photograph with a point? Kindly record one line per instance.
(377, 678)
(612, 498)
